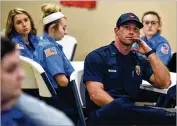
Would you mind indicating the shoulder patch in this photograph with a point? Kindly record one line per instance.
(19, 46)
(165, 48)
(50, 51)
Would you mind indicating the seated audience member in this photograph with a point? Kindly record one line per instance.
(32, 111)
(113, 75)
(20, 29)
(51, 57)
(152, 29)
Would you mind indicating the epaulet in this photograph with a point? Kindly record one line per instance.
(101, 49)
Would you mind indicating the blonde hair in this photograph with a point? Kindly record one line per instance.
(47, 9)
(50, 8)
(10, 29)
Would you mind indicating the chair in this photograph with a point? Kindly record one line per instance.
(77, 65)
(69, 45)
(79, 93)
(36, 78)
(172, 63)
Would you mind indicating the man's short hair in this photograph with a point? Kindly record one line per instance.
(6, 46)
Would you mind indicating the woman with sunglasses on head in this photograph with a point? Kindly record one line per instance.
(20, 29)
(152, 29)
(51, 57)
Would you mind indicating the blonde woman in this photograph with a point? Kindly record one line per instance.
(20, 29)
(51, 56)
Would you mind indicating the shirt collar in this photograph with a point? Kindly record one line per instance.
(17, 36)
(114, 51)
(31, 37)
(154, 37)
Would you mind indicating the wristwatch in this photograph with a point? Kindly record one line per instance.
(150, 52)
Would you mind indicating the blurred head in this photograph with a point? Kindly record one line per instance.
(152, 23)
(19, 21)
(11, 74)
(54, 21)
(128, 27)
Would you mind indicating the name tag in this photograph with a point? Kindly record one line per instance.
(110, 70)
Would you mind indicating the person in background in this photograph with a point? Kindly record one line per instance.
(33, 112)
(51, 57)
(152, 29)
(113, 74)
(20, 29)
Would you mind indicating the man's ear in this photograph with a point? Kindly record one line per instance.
(116, 30)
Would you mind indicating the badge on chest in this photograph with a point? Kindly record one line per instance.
(137, 69)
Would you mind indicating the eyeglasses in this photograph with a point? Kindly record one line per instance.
(148, 22)
(128, 28)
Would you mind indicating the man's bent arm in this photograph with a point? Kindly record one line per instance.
(161, 75)
(97, 93)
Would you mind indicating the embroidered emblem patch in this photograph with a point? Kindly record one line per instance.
(50, 52)
(19, 46)
(138, 70)
(165, 48)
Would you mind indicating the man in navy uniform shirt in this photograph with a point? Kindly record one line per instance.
(113, 75)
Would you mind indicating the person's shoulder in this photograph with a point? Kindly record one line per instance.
(99, 52)
(161, 39)
(143, 37)
(45, 44)
(15, 40)
(31, 106)
(38, 38)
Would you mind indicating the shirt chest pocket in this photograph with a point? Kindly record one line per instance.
(137, 76)
(113, 79)
(113, 72)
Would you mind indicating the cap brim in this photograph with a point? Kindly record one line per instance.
(139, 24)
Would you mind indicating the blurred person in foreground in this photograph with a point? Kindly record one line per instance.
(34, 111)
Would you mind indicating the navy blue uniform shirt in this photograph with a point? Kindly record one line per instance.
(160, 45)
(14, 117)
(51, 57)
(120, 74)
(25, 49)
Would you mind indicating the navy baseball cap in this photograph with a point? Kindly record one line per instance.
(128, 17)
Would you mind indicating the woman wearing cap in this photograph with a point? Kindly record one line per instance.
(50, 55)
(20, 29)
(152, 29)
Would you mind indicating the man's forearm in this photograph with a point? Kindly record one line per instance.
(160, 71)
(101, 98)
